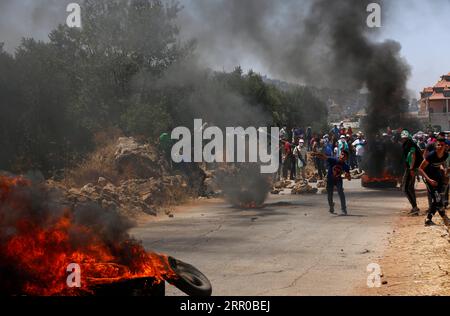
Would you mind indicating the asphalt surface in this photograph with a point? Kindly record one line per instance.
(293, 246)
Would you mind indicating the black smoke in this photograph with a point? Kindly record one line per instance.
(319, 42)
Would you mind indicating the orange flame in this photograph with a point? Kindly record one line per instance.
(385, 177)
(40, 253)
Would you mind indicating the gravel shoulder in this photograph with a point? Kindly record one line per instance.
(417, 260)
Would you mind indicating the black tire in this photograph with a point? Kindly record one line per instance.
(190, 280)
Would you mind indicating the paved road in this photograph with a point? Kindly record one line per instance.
(291, 247)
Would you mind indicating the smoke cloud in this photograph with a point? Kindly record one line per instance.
(319, 42)
(29, 18)
(316, 42)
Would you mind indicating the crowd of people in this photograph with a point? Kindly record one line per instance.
(338, 151)
(333, 153)
(296, 144)
(426, 155)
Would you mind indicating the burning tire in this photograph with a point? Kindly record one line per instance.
(190, 280)
(379, 183)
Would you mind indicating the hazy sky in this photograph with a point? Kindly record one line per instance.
(421, 27)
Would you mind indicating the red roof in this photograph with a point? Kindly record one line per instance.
(442, 84)
(438, 96)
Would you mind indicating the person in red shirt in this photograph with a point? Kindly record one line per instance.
(289, 161)
(350, 132)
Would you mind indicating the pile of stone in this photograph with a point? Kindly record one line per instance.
(131, 197)
(147, 182)
(284, 184)
(303, 188)
(212, 185)
(321, 184)
(314, 179)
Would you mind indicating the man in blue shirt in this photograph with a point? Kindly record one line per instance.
(335, 131)
(435, 175)
(336, 167)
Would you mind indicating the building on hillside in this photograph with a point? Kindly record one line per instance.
(434, 106)
(335, 111)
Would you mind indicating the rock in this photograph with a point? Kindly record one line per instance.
(278, 184)
(211, 185)
(321, 184)
(276, 192)
(88, 189)
(304, 189)
(102, 181)
(109, 204)
(136, 159)
(74, 191)
(282, 184)
(110, 188)
(291, 185)
(147, 198)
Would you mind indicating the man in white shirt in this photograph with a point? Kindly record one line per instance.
(360, 144)
(300, 153)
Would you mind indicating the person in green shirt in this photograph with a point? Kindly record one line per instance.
(165, 144)
(413, 158)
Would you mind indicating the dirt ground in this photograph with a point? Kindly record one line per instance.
(417, 261)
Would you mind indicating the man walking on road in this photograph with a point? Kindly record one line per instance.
(434, 173)
(336, 167)
(412, 156)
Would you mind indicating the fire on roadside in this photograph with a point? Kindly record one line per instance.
(385, 181)
(38, 240)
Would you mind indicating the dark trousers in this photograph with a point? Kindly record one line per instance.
(437, 195)
(408, 187)
(293, 168)
(320, 165)
(340, 188)
(447, 191)
(286, 166)
(289, 167)
(353, 162)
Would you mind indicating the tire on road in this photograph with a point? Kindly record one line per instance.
(190, 280)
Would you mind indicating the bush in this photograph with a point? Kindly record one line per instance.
(99, 163)
(146, 120)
